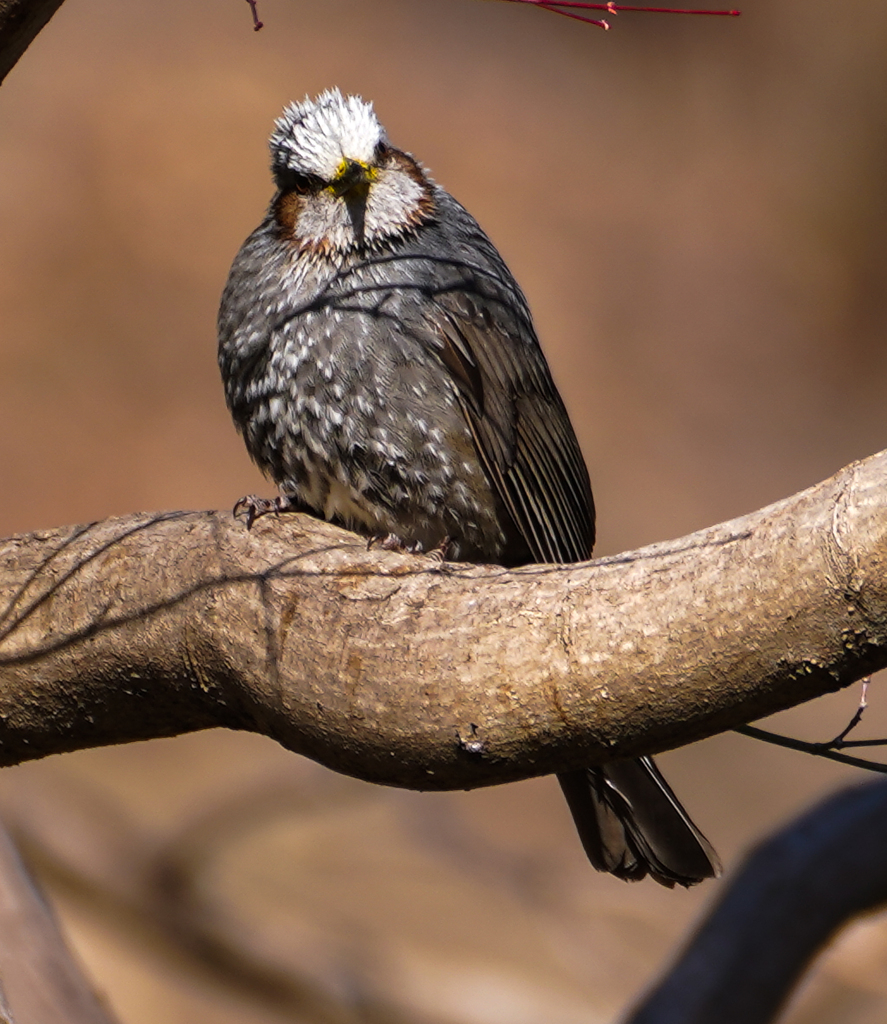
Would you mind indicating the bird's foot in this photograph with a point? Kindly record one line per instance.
(252, 507)
(443, 550)
(391, 542)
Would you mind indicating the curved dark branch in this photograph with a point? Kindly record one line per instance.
(788, 899)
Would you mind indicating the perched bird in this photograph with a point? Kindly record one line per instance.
(381, 363)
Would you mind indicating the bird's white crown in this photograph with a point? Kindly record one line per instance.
(315, 136)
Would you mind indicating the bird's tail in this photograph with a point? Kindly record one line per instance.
(632, 825)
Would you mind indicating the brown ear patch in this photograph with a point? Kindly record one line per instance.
(287, 208)
(406, 164)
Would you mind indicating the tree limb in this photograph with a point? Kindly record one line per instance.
(404, 671)
(786, 901)
(20, 22)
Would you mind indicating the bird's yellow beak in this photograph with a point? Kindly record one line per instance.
(352, 178)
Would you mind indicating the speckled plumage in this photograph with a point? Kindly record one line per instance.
(382, 365)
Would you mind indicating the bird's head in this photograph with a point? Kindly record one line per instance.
(341, 185)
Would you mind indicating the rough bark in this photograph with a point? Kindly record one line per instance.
(405, 671)
(20, 22)
(788, 899)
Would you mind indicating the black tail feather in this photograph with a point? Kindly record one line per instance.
(632, 825)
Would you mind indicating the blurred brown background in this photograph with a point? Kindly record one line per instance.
(697, 211)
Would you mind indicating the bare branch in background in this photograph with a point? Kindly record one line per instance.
(789, 898)
(158, 892)
(41, 980)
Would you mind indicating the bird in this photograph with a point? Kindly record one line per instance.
(381, 363)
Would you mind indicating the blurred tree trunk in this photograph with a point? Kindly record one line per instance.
(41, 982)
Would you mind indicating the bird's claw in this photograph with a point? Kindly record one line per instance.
(442, 552)
(391, 542)
(251, 507)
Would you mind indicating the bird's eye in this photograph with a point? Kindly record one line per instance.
(381, 152)
(294, 181)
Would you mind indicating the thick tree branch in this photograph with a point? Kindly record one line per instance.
(786, 901)
(403, 671)
(20, 22)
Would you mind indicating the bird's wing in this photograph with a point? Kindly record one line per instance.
(519, 424)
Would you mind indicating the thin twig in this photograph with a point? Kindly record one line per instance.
(257, 24)
(859, 743)
(838, 741)
(817, 749)
(613, 8)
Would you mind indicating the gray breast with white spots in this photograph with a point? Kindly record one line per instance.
(333, 376)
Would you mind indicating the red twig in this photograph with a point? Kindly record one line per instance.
(611, 8)
(605, 25)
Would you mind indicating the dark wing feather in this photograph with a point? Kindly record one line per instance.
(519, 424)
(629, 821)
